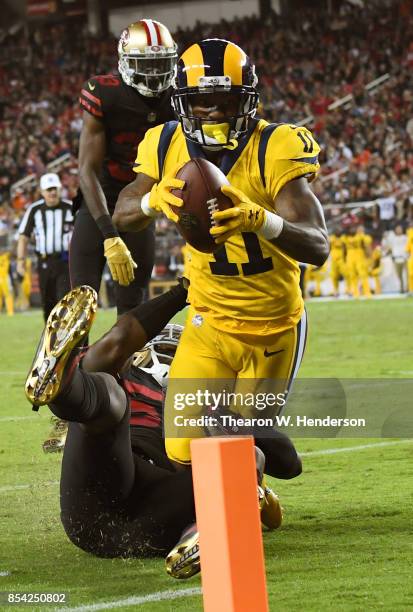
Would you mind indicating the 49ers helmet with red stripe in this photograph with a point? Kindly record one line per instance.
(147, 57)
(156, 356)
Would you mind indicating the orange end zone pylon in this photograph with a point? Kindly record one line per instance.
(228, 521)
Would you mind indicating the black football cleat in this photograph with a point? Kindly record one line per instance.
(183, 560)
(54, 363)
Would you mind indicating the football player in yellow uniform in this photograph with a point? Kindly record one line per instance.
(363, 255)
(376, 268)
(338, 268)
(350, 243)
(6, 292)
(358, 249)
(246, 318)
(25, 286)
(314, 274)
(409, 249)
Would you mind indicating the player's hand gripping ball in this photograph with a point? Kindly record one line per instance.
(161, 198)
(245, 216)
(200, 196)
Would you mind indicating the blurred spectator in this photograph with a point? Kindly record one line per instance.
(386, 211)
(304, 65)
(396, 244)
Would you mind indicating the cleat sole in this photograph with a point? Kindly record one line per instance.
(68, 323)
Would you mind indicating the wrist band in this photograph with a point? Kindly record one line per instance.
(272, 226)
(145, 208)
(106, 226)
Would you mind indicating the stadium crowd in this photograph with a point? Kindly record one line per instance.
(304, 66)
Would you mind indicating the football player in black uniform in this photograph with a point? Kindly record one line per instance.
(118, 110)
(120, 494)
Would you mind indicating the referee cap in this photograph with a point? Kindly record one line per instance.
(49, 180)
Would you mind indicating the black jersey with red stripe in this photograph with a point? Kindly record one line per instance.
(126, 116)
(145, 398)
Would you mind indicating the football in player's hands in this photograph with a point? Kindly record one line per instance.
(202, 197)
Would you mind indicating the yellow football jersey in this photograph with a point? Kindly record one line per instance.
(248, 285)
(351, 244)
(356, 245)
(409, 245)
(337, 247)
(362, 244)
(4, 263)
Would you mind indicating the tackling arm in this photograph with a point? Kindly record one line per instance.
(133, 330)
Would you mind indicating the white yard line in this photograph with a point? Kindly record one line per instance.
(348, 449)
(35, 485)
(18, 418)
(135, 601)
(325, 451)
(12, 373)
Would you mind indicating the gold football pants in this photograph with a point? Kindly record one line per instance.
(338, 270)
(208, 359)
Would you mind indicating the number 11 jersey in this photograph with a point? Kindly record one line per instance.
(248, 286)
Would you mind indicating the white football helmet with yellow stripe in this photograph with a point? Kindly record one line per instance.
(147, 57)
(214, 65)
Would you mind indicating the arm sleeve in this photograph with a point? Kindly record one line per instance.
(155, 314)
(292, 152)
(147, 156)
(90, 98)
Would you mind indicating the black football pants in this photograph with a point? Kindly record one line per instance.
(54, 281)
(115, 503)
(87, 259)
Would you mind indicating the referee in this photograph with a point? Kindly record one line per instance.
(50, 220)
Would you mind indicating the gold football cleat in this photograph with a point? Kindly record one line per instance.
(68, 324)
(183, 560)
(55, 443)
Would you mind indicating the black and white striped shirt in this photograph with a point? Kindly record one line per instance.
(52, 226)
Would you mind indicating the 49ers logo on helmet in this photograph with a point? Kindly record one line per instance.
(124, 38)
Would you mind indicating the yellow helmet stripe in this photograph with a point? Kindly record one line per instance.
(193, 61)
(234, 60)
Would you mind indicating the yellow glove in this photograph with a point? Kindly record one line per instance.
(160, 197)
(244, 217)
(119, 260)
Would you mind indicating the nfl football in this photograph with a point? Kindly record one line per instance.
(202, 196)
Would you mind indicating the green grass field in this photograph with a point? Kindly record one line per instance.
(346, 539)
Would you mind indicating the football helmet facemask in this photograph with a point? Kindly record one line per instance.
(147, 57)
(156, 356)
(211, 66)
